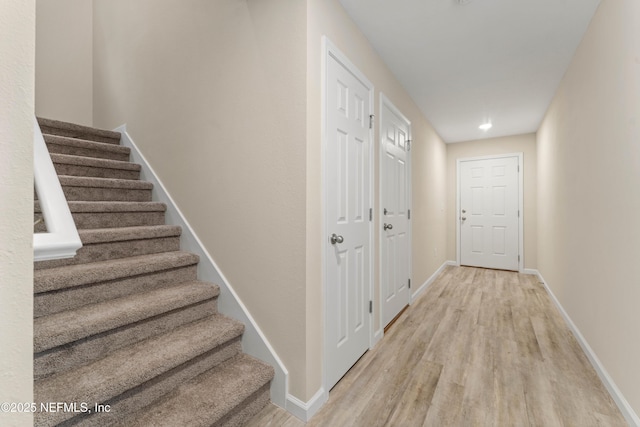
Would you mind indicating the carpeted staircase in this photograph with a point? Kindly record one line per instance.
(126, 323)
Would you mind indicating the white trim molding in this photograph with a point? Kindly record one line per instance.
(305, 411)
(61, 240)
(625, 408)
(431, 279)
(254, 342)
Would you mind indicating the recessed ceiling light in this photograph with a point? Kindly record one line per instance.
(485, 126)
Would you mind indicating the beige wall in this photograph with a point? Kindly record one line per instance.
(525, 144)
(64, 65)
(327, 17)
(213, 93)
(17, 50)
(588, 198)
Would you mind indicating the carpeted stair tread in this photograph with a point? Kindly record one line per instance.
(79, 188)
(209, 397)
(69, 159)
(102, 244)
(81, 147)
(103, 235)
(110, 206)
(134, 365)
(83, 274)
(57, 127)
(93, 182)
(62, 328)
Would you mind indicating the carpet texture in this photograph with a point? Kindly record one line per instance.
(126, 323)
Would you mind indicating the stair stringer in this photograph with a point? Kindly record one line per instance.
(254, 342)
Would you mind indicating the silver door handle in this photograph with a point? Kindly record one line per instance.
(336, 239)
(387, 227)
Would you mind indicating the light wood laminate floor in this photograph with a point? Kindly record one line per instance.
(478, 348)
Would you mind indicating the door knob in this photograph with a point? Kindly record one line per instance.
(464, 217)
(387, 227)
(463, 211)
(336, 239)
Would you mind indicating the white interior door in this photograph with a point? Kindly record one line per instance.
(489, 212)
(395, 130)
(348, 199)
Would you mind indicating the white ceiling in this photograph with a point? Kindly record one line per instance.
(488, 60)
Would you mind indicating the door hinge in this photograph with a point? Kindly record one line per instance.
(518, 214)
(409, 144)
(409, 214)
(371, 117)
(518, 168)
(370, 214)
(518, 258)
(409, 281)
(370, 306)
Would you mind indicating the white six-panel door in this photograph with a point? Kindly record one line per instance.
(395, 199)
(348, 199)
(489, 213)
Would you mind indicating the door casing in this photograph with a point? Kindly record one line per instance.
(520, 203)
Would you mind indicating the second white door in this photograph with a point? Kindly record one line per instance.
(395, 130)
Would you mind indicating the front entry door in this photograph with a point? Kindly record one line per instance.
(489, 213)
(395, 198)
(348, 199)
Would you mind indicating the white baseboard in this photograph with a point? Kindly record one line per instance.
(430, 280)
(530, 271)
(254, 342)
(626, 409)
(305, 411)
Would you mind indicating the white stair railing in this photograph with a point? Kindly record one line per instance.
(61, 240)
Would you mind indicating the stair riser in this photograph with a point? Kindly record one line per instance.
(56, 301)
(94, 194)
(80, 135)
(57, 148)
(83, 351)
(247, 409)
(115, 250)
(127, 403)
(96, 172)
(92, 220)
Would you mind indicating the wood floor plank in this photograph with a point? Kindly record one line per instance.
(417, 396)
(478, 348)
(445, 408)
(508, 393)
(477, 403)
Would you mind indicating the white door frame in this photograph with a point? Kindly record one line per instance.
(386, 102)
(520, 203)
(330, 50)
